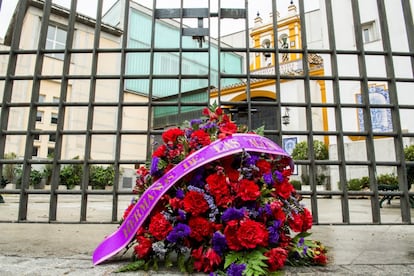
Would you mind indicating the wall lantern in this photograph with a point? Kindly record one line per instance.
(286, 117)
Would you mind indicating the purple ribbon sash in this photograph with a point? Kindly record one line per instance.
(236, 143)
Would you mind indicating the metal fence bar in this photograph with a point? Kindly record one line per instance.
(338, 114)
(61, 114)
(395, 112)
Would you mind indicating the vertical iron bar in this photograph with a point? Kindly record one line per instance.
(409, 29)
(124, 44)
(338, 115)
(248, 86)
(370, 147)
(11, 71)
(57, 156)
(308, 101)
(90, 117)
(31, 125)
(395, 112)
(277, 72)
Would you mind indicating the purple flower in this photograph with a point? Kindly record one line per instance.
(179, 231)
(236, 269)
(182, 214)
(219, 243)
(232, 213)
(274, 231)
(196, 122)
(154, 165)
(279, 176)
(268, 178)
(197, 179)
(179, 194)
(265, 210)
(251, 160)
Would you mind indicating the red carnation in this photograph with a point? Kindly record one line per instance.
(230, 232)
(252, 233)
(277, 211)
(195, 203)
(200, 228)
(227, 129)
(128, 210)
(159, 227)
(320, 259)
(284, 189)
(143, 248)
(263, 166)
(201, 137)
(296, 222)
(160, 151)
(213, 260)
(248, 190)
(307, 220)
(276, 258)
(171, 135)
(218, 188)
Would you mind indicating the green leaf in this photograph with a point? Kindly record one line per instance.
(232, 257)
(137, 265)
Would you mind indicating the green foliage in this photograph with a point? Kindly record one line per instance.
(134, 266)
(71, 175)
(254, 261)
(100, 176)
(296, 184)
(35, 177)
(9, 169)
(389, 179)
(320, 179)
(300, 152)
(355, 184)
(409, 156)
(409, 153)
(3, 182)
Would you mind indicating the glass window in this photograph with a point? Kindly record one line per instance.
(52, 138)
(42, 98)
(39, 116)
(56, 39)
(369, 33)
(50, 151)
(54, 118)
(35, 151)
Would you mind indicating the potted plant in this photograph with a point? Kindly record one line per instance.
(300, 152)
(71, 175)
(100, 176)
(409, 156)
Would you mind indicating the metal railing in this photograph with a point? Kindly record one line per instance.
(210, 17)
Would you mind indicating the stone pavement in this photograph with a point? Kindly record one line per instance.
(65, 249)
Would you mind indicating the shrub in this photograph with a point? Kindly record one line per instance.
(389, 179)
(71, 175)
(300, 152)
(100, 176)
(296, 184)
(409, 156)
(354, 184)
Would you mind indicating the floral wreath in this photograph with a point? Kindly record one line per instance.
(237, 215)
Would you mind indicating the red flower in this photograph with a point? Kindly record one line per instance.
(218, 187)
(276, 258)
(195, 203)
(307, 220)
(143, 248)
(198, 258)
(284, 189)
(277, 211)
(128, 210)
(248, 190)
(296, 222)
(227, 129)
(171, 135)
(230, 232)
(263, 166)
(213, 260)
(160, 151)
(320, 259)
(159, 227)
(252, 234)
(201, 137)
(200, 228)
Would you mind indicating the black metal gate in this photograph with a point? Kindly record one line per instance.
(85, 97)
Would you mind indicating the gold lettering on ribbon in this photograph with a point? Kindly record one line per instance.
(191, 162)
(226, 145)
